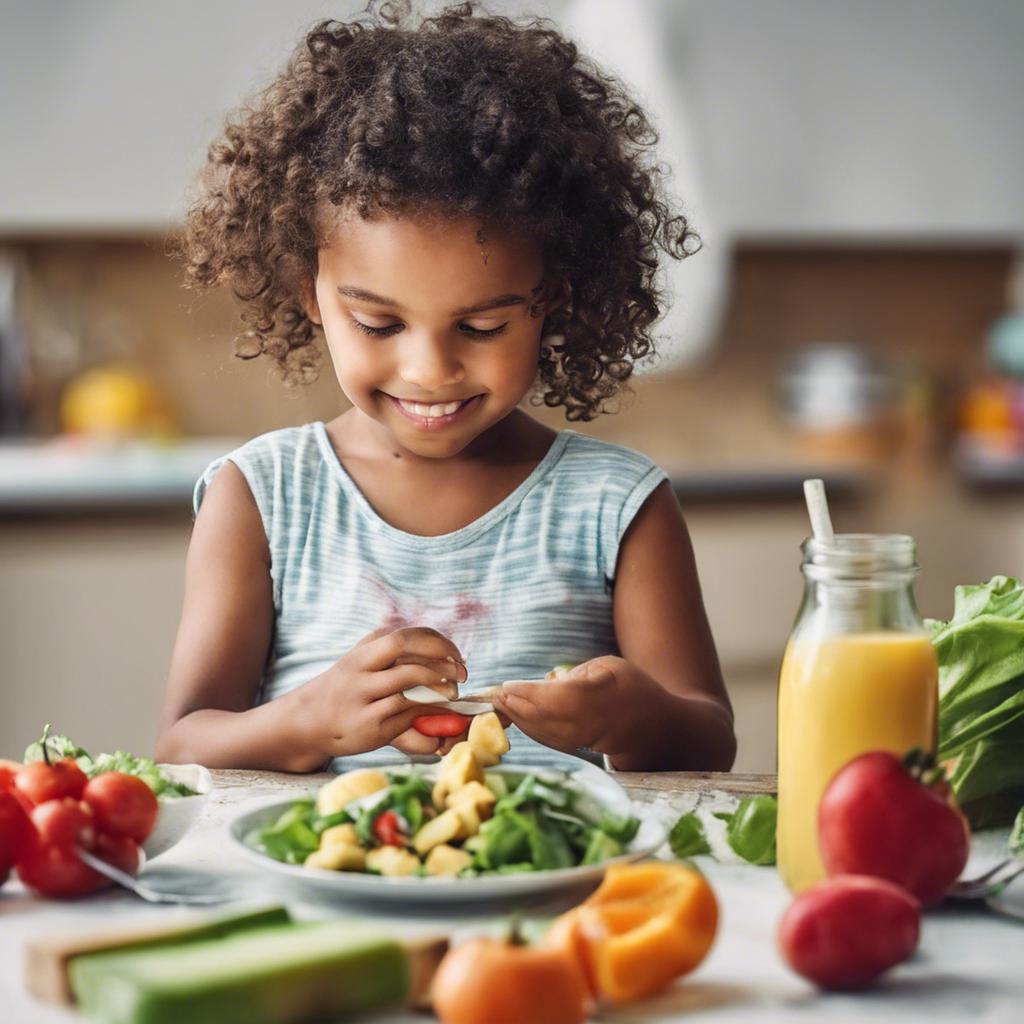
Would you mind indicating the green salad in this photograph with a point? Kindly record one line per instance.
(57, 747)
(502, 824)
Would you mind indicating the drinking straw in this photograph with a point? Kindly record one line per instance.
(817, 509)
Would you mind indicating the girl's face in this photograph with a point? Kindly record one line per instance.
(428, 323)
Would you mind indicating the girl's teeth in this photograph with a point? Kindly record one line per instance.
(431, 411)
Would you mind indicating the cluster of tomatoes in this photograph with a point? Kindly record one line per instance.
(51, 810)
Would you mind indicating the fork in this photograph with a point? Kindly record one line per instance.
(991, 883)
(146, 892)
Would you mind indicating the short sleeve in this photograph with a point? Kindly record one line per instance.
(615, 525)
(204, 482)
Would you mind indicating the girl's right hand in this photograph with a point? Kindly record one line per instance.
(357, 704)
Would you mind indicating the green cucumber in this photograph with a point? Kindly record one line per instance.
(278, 975)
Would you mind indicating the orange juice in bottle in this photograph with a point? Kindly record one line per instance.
(859, 674)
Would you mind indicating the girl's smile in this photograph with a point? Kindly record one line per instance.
(435, 415)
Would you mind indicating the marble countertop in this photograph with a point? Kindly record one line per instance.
(968, 966)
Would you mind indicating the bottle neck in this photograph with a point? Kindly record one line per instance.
(861, 606)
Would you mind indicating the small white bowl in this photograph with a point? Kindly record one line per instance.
(178, 814)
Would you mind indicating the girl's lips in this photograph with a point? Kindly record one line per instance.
(431, 423)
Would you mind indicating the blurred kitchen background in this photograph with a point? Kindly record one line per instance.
(856, 170)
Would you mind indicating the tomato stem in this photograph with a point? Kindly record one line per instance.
(43, 740)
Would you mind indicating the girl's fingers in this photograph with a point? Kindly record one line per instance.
(412, 742)
(418, 641)
(393, 681)
(455, 671)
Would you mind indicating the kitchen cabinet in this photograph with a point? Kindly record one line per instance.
(810, 117)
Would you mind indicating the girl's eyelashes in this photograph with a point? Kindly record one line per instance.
(383, 332)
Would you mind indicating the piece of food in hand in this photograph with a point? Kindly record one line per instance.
(446, 860)
(122, 805)
(487, 739)
(445, 828)
(646, 925)
(844, 932)
(392, 860)
(353, 785)
(442, 726)
(894, 819)
(487, 981)
(562, 669)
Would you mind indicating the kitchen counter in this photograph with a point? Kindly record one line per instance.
(967, 967)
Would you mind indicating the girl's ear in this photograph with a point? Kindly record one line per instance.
(309, 303)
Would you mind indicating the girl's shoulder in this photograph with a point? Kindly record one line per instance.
(589, 464)
(283, 458)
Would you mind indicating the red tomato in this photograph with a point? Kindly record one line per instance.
(387, 829)
(16, 831)
(65, 822)
(52, 870)
(877, 818)
(123, 805)
(57, 871)
(844, 932)
(40, 781)
(119, 851)
(448, 724)
(8, 769)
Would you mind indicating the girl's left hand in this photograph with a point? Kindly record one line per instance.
(601, 705)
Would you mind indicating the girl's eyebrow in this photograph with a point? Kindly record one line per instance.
(351, 292)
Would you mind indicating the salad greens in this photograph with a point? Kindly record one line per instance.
(1016, 843)
(536, 825)
(749, 831)
(980, 652)
(57, 747)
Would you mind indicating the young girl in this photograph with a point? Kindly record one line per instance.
(467, 211)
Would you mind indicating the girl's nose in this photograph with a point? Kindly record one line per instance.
(429, 363)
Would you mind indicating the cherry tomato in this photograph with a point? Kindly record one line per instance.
(65, 822)
(56, 871)
(16, 831)
(448, 724)
(40, 781)
(119, 851)
(387, 830)
(53, 870)
(122, 804)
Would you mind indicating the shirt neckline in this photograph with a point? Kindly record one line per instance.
(456, 538)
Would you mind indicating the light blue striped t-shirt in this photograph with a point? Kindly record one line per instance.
(524, 587)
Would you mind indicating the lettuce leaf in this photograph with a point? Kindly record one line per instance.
(980, 653)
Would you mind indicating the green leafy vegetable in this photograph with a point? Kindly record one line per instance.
(980, 653)
(687, 838)
(601, 847)
(292, 837)
(751, 829)
(1016, 843)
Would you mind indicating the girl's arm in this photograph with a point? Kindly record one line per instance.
(662, 630)
(223, 642)
(222, 645)
(662, 704)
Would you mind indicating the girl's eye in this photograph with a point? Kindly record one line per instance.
(377, 332)
(477, 332)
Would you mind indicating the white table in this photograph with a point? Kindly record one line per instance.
(969, 967)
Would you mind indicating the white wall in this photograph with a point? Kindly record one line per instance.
(811, 116)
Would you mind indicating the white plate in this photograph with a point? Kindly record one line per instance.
(587, 778)
(178, 814)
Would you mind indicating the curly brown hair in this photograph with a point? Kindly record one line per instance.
(464, 112)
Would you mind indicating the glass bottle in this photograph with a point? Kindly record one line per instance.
(859, 674)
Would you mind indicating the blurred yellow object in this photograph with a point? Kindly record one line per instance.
(116, 401)
(987, 413)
